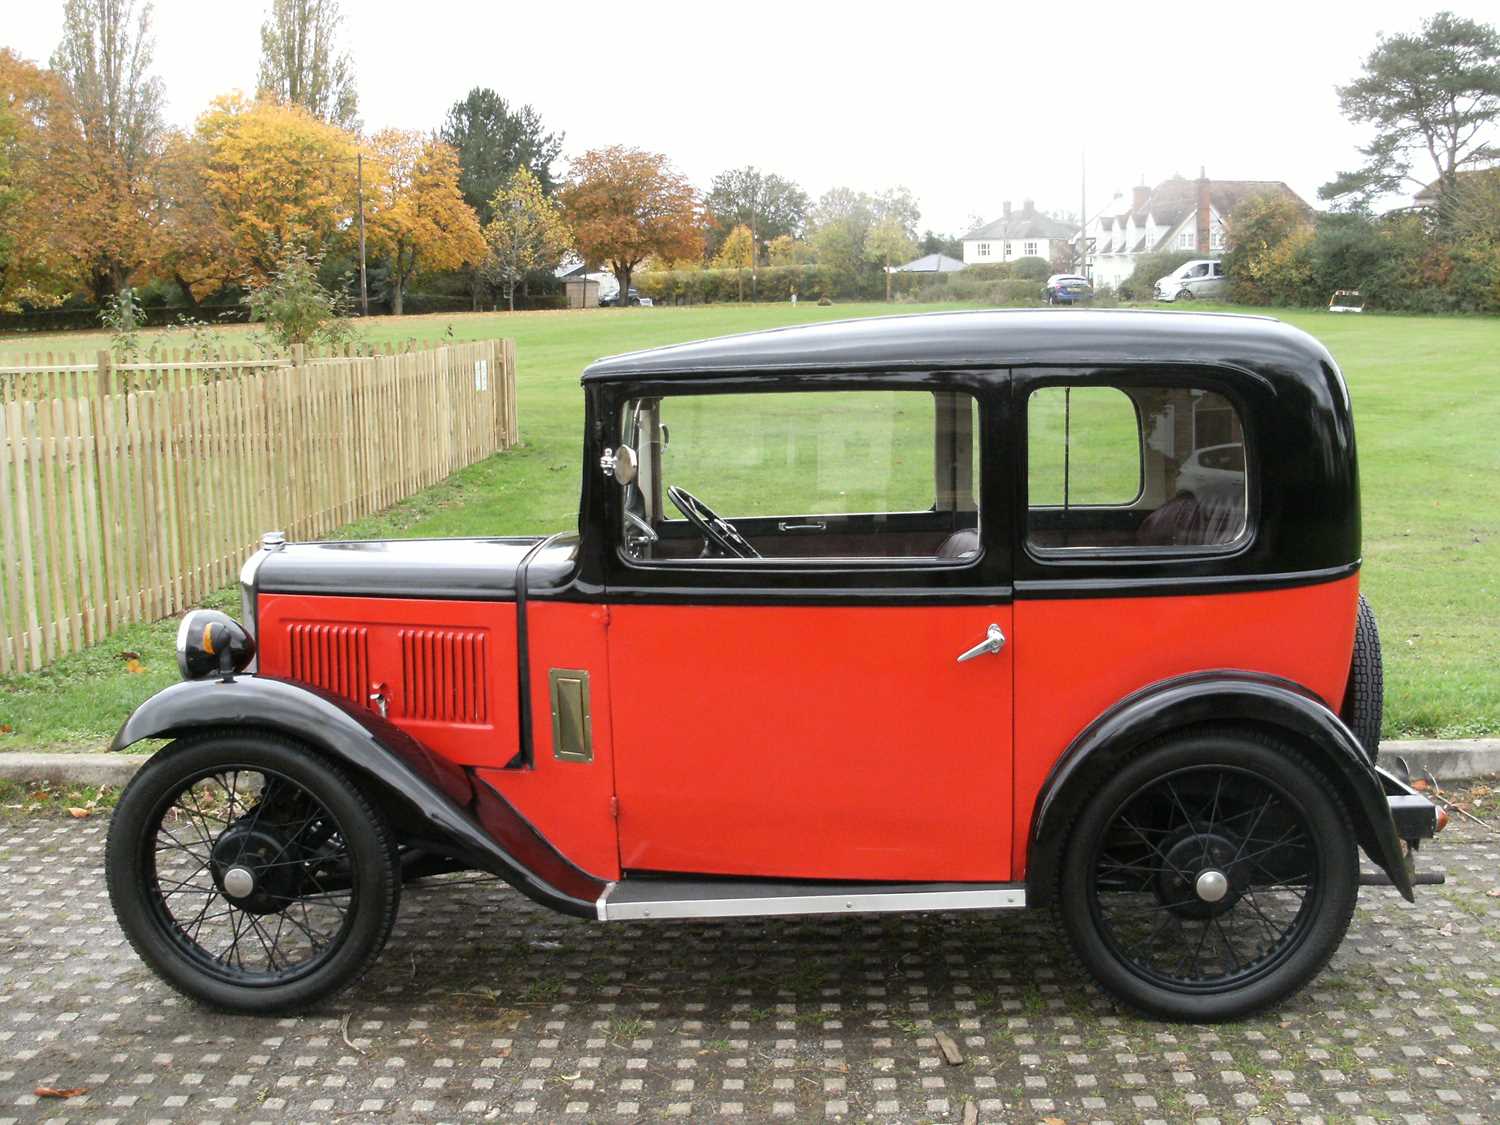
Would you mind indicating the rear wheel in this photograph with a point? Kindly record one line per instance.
(249, 873)
(1211, 877)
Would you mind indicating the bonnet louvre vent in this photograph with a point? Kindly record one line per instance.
(443, 675)
(333, 657)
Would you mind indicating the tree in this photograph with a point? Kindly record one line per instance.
(295, 307)
(301, 64)
(526, 231)
(492, 141)
(934, 243)
(276, 176)
(420, 220)
(840, 223)
(737, 252)
(888, 243)
(104, 62)
(766, 204)
(1270, 240)
(1438, 93)
(626, 205)
(35, 135)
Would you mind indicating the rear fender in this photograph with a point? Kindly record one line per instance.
(429, 796)
(1267, 703)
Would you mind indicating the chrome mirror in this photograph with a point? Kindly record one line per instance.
(626, 464)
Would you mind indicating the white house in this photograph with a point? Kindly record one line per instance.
(1026, 233)
(1177, 214)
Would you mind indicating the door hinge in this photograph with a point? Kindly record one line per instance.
(614, 807)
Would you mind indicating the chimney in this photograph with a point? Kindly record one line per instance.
(1205, 211)
(1005, 209)
(1139, 197)
(1028, 207)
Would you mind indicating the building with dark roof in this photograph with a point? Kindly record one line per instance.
(1177, 214)
(1026, 233)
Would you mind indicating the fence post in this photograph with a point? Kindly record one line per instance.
(299, 354)
(106, 367)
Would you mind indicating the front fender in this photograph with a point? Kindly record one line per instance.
(424, 790)
(1268, 703)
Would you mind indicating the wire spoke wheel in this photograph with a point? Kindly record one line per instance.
(1203, 878)
(1209, 877)
(250, 873)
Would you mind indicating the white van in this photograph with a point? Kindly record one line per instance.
(1203, 277)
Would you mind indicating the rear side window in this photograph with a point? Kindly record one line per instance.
(1127, 468)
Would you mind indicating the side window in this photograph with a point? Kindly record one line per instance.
(1134, 467)
(803, 475)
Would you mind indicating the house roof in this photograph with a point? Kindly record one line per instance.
(1025, 223)
(1430, 193)
(1175, 199)
(932, 263)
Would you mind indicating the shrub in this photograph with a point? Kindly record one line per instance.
(295, 308)
(1032, 269)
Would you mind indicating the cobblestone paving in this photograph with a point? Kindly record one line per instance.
(485, 1007)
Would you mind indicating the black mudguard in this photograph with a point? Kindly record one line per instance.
(430, 798)
(1268, 703)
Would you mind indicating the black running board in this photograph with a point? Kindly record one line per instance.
(637, 899)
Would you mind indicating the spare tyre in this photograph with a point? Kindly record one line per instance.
(1364, 698)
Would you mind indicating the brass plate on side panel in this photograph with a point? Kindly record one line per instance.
(572, 723)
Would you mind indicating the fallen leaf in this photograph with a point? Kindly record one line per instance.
(79, 814)
(951, 1054)
(1493, 892)
(1419, 784)
(53, 1092)
(6, 728)
(133, 665)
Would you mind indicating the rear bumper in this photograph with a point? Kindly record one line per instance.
(1416, 817)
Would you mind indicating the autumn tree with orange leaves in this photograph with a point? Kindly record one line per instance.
(272, 176)
(419, 219)
(35, 133)
(625, 205)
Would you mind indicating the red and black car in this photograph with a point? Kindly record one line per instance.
(964, 611)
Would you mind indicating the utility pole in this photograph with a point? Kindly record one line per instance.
(364, 292)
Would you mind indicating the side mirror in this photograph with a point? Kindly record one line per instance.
(624, 465)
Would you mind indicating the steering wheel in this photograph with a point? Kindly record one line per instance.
(714, 528)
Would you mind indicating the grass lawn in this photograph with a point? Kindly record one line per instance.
(1426, 394)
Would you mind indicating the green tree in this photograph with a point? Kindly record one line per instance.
(301, 63)
(526, 232)
(889, 244)
(764, 203)
(1435, 93)
(295, 308)
(493, 140)
(841, 222)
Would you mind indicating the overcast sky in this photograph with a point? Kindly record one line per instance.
(966, 104)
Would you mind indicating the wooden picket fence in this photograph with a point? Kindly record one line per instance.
(129, 491)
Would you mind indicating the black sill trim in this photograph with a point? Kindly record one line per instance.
(1137, 587)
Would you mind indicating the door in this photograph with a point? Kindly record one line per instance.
(788, 699)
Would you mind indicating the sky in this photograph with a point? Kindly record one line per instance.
(966, 104)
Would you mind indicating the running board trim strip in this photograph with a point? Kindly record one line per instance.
(656, 899)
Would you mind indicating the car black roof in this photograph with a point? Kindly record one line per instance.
(986, 338)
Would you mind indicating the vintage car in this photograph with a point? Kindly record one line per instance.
(958, 611)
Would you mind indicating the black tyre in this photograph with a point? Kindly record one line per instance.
(1210, 877)
(249, 873)
(1364, 698)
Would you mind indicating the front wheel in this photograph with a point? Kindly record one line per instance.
(249, 873)
(1211, 877)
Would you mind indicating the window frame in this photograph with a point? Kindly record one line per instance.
(836, 562)
(1168, 374)
(984, 578)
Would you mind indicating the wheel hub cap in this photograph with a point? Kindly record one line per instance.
(239, 882)
(1212, 885)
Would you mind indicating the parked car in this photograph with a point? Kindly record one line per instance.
(614, 299)
(1201, 278)
(1067, 289)
(918, 613)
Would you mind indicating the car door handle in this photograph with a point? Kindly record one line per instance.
(994, 641)
(807, 525)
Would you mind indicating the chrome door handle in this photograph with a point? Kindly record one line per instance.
(994, 641)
